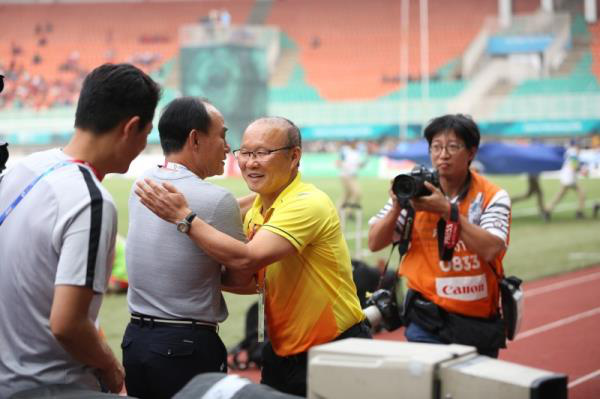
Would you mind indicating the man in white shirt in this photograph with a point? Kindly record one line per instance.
(351, 160)
(58, 226)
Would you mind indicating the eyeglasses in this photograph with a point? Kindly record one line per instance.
(451, 148)
(259, 154)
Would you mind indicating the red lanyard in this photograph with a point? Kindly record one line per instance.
(89, 165)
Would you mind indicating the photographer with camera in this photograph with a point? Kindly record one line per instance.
(458, 234)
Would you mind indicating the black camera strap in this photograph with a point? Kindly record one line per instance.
(402, 244)
(448, 231)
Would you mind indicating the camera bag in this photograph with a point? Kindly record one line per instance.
(511, 295)
(455, 328)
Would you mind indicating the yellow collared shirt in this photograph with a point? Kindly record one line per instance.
(310, 296)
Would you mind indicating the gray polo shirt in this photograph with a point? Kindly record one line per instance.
(62, 233)
(169, 275)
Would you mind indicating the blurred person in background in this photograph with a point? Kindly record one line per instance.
(174, 291)
(296, 256)
(534, 188)
(459, 237)
(351, 160)
(58, 242)
(568, 180)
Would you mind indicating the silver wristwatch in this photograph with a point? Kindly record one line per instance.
(183, 226)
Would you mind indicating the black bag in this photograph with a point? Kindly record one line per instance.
(455, 328)
(423, 312)
(511, 296)
(474, 331)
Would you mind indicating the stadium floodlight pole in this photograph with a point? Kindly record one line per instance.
(504, 12)
(404, 37)
(548, 5)
(424, 30)
(590, 11)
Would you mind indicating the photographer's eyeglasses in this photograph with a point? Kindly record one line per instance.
(259, 154)
(452, 148)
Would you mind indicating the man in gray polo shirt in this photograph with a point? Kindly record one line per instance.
(57, 244)
(174, 288)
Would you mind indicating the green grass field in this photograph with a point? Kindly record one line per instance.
(536, 248)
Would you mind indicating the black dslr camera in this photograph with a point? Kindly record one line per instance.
(3, 155)
(382, 310)
(411, 185)
(3, 145)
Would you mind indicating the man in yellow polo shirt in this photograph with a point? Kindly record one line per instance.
(296, 249)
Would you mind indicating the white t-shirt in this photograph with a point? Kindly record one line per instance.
(352, 159)
(62, 233)
(568, 172)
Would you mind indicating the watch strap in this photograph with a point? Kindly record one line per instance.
(190, 217)
(184, 225)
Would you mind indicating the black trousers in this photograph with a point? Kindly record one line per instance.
(288, 373)
(159, 360)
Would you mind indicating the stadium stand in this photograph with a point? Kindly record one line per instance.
(576, 78)
(338, 63)
(348, 53)
(47, 48)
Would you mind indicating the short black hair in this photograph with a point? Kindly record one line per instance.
(178, 118)
(462, 125)
(112, 93)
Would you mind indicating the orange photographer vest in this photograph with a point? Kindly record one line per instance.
(466, 284)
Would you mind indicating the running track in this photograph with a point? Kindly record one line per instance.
(560, 331)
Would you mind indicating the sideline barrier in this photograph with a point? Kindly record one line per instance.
(385, 369)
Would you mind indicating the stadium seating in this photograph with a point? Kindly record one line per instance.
(577, 81)
(340, 60)
(348, 53)
(60, 42)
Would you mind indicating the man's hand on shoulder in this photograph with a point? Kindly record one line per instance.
(163, 200)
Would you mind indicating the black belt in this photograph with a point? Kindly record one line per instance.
(354, 331)
(151, 320)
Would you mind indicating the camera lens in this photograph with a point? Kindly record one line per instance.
(404, 187)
